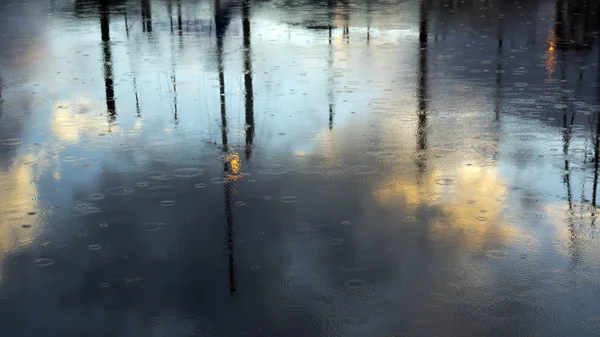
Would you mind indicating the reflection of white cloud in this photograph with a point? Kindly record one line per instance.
(18, 204)
(71, 120)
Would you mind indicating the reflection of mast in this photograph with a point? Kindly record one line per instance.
(221, 24)
(499, 66)
(422, 89)
(179, 19)
(596, 157)
(146, 16)
(227, 189)
(126, 24)
(559, 23)
(1, 99)
(330, 66)
(249, 93)
(566, 141)
(170, 12)
(499, 71)
(574, 246)
(174, 80)
(220, 35)
(597, 142)
(137, 100)
(108, 68)
(369, 11)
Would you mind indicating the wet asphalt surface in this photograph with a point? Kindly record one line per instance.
(299, 168)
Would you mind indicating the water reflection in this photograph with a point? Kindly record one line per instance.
(422, 95)
(248, 91)
(146, 16)
(451, 190)
(108, 66)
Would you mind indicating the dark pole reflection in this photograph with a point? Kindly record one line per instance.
(562, 42)
(597, 141)
(249, 92)
(173, 72)
(499, 65)
(108, 68)
(499, 71)
(566, 139)
(146, 16)
(1, 97)
(137, 99)
(126, 24)
(330, 65)
(559, 23)
(221, 23)
(369, 19)
(220, 30)
(227, 190)
(179, 18)
(422, 89)
(174, 80)
(596, 156)
(170, 13)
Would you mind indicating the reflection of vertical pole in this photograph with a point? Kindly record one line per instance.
(330, 66)
(499, 70)
(126, 24)
(227, 186)
(1, 98)
(596, 156)
(498, 79)
(249, 93)
(566, 140)
(170, 12)
(422, 88)
(369, 11)
(137, 100)
(174, 80)
(146, 16)
(221, 84)
(108, 68)
(566, 132)
(227, 189)
(559, 22)
(597, 142)
(179, 18)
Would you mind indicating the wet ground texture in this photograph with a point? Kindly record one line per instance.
(299, 168)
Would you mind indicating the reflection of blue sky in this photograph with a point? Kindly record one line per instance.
(288, 62)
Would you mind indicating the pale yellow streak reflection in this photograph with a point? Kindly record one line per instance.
(574, 227)
(69, 125)
(468, 202)
(18, 197)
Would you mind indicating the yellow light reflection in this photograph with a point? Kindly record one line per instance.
(70, 121)
(18, 204)
(235, 166)
(574, 226)
(550, 61)
(469, 200)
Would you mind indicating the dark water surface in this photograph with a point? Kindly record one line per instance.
(299, 168)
